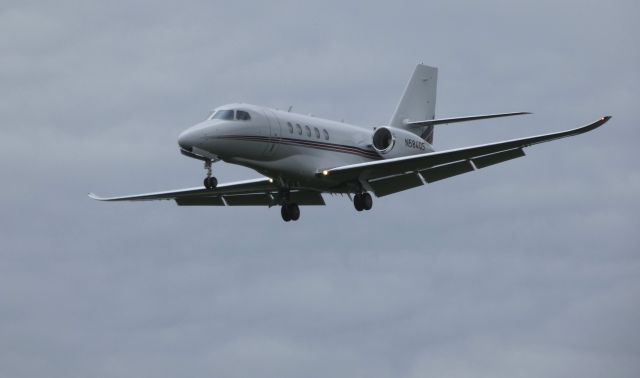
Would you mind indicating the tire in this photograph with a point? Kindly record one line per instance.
(357, 202)
(294, 211)
(213, 182)
(207, 183)
(285, 213)
(367, 201)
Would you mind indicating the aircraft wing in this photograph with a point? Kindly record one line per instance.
(393, 175)
(241, 193)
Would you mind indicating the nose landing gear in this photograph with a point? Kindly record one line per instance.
(210, 182)
(362, 201)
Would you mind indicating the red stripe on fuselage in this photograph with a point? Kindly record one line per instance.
(307, 143)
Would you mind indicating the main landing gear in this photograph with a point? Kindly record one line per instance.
(290, 212)
(362, 201)
(210, 182)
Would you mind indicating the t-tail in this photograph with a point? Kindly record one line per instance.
(418, 102)
(416, 110)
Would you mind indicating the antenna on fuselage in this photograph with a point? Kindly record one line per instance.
(290, 107)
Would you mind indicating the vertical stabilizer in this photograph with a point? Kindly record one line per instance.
(418, 102)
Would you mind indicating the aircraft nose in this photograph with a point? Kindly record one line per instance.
(186, 140)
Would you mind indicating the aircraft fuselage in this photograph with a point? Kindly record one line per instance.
(290, 148)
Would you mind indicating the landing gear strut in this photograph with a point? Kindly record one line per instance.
(290, 212)
(210, 182)
(362, 201)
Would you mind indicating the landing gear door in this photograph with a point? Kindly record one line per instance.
(274, 132)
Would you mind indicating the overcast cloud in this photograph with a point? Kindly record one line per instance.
(527, 269)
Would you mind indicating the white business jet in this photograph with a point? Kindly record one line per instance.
(302, 156)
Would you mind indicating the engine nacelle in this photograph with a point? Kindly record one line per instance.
(390, 142)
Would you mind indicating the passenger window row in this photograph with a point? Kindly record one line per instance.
(241, 115)
(307, 129)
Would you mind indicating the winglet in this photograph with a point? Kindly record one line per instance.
(93, 196)
(595, 125)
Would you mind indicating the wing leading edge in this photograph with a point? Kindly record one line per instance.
(437, 165)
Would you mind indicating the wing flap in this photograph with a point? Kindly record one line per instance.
(445, 171)
(307, 198)
(260, 199)
(300, 197)
(389, 185)
(200, 201)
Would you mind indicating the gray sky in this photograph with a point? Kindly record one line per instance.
(526, 269)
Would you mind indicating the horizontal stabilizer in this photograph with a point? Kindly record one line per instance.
(442, 121)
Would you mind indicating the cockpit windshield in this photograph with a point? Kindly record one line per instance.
(223, 114)
(241, 115)
(230, 114)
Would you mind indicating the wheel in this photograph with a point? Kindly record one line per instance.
(294, 211)
(285, 213)
(210, 182)
(357, 202)
(367, 201)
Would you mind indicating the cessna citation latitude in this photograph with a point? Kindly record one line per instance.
(302, 157)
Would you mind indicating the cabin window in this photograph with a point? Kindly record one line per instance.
(326, 134)
(306, 127)
(317, 132)
(223, 114)
(299, 128)
(290, 127)
(242, 115)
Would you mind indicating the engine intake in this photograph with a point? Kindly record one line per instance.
(383, 140)
(391, 142)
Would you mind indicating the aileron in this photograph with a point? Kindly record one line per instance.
(491, 159)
